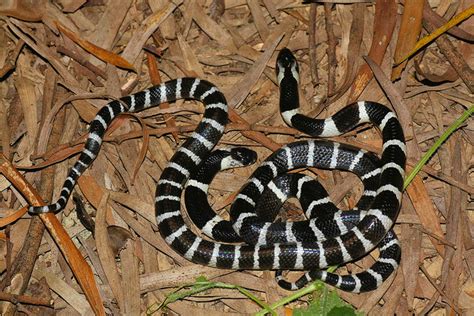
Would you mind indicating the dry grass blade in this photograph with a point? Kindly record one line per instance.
(438, 21)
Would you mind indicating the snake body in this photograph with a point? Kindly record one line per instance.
(290, 253)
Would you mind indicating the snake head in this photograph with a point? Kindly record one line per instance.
(286, 65)
(238, 157)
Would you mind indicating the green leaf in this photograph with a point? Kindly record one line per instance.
(341, 311)
(201, 278)
(328, 304)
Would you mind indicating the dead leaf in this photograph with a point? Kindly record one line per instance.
(98, 52)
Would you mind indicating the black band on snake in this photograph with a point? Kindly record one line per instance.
(292, 255)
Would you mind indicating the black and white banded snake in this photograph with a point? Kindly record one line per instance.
(327, 220)
(292, 255)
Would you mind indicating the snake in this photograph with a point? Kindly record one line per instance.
(295, 254)
(327, 219)
(289, 255)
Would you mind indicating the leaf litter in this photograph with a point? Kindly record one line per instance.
(59, 64)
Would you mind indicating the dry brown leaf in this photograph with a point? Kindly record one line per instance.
(191, 62)
(10, 218)
(425, 210)
(95, 50)
(176, 277)
(353, 49)
(410, 29)
(106, 255)
(155, 78)
(135, 45)
(130, 279)
(384, 23)
(150, 236)
(65, 291)
(214, 30)
(23, 9)
(26, 92)
(258, 19)
(411, 245)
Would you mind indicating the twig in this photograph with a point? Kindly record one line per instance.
(313, 62)
(22, 266)
(10, 64)
(331, 50)
(25, 299)
(438, 289)
(81, 60)
(453, 57)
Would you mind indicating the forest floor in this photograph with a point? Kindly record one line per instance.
(61, 60)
